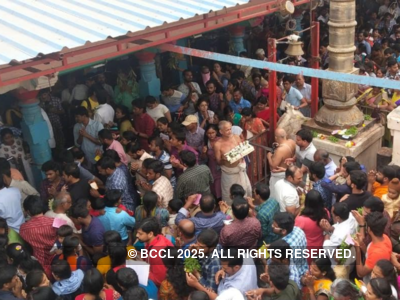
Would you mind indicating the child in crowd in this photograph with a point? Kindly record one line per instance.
(392, 198)
(68, 284)
(173, 208)
(264, 88)
(62, 233)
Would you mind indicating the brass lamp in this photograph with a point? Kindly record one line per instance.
(294, 48)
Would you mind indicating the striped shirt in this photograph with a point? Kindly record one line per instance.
(40, 234)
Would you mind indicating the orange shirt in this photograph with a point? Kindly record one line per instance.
(379, 190)
(378, 251)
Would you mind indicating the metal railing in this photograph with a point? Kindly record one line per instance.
(257, 168)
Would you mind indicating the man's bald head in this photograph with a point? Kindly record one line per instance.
(321, 156)
(280, 133)
(187, 228)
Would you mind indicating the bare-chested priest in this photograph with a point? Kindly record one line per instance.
(231, 173)
(285, 149)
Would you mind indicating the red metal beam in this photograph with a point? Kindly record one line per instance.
(27, 64)
(315, 65)
(244, 14)
(272, 89)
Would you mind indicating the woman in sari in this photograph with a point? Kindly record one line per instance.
(210, 137)
(376, 97)
(318, 280)
(12, 149)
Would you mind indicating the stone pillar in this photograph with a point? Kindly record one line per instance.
(149, 83)
(339, 110)
(394, 126)
(237, 35)
(35, 132)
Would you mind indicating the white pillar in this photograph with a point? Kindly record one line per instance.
(394, 126)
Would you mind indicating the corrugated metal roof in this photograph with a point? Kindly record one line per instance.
(31, 27)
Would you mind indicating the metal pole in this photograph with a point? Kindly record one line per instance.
(315, 65)
(272, 89)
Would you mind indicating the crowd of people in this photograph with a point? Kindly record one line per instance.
(130, 174)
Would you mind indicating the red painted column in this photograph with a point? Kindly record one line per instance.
(315, 65)
(272, 89)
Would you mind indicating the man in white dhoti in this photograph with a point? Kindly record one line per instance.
(231, 173)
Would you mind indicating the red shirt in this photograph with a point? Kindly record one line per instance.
(144, 124)
(157, 269)
(41, 235)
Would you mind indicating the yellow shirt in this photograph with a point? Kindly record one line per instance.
(395, 97)
(104, 263)
(125, 126)
(93, 104)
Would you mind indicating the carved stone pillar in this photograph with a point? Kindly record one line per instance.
(339, 97)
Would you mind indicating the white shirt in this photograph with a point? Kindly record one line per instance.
(65, 95)
(237, 130)
(339, 235)
(10, 207)
(286, 195)
(243, 280)
(52, 214)
(25, 188)
(158, 112)
(104, 114)
(52, 141)
(230, 294)
(302, 156)
(79, 92)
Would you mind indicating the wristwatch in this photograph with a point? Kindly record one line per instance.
(327, 233)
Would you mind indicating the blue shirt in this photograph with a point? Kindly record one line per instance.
(201, 222)
(297, 240)
(151, 289)
(325, 194)
(93, 234)
(294, 97)
(210, 265)
(112, 220)
(237, 108)
(118, 181)
(330, 169)
(10, 207)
